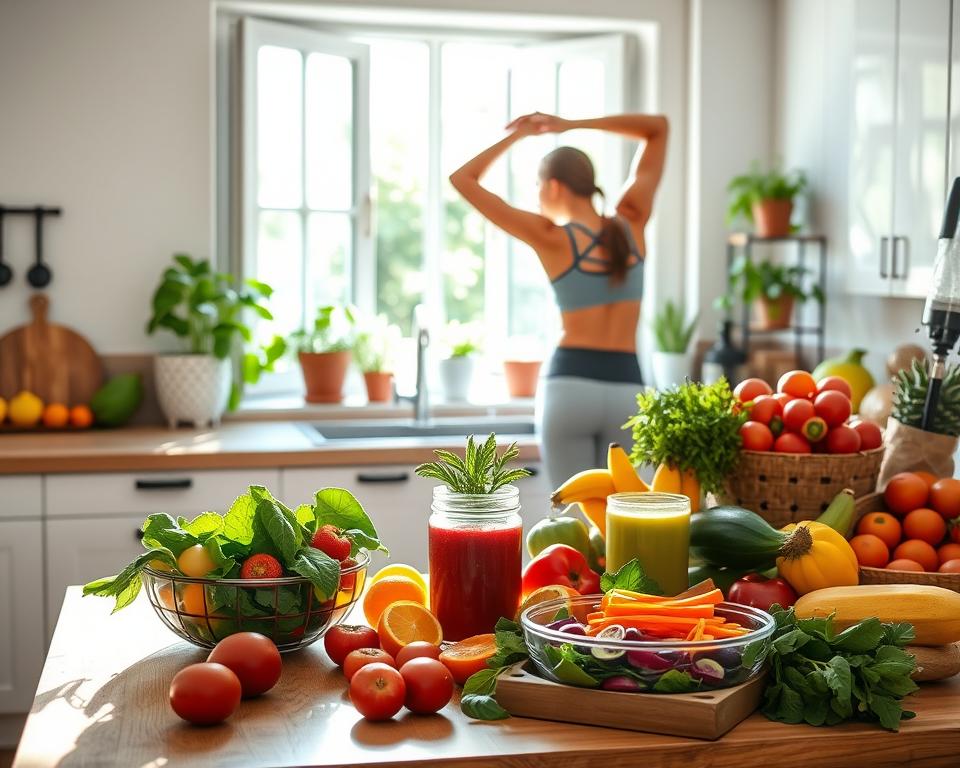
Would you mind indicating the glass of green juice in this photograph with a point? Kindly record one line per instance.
(655, 529)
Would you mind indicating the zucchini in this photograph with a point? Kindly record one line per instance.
(735, 538)
(722, 577)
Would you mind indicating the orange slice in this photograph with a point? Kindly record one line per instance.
(390, 590)
(405, 622)
(552, 592)
(468, 656)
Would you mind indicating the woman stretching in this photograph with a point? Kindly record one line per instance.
(595, 265)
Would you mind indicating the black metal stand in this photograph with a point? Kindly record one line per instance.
(745, 242)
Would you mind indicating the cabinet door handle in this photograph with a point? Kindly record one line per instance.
(906, 256)
(883, 257)
(165, 484)
(383, 477)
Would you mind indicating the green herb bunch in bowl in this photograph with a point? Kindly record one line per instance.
(289, 574)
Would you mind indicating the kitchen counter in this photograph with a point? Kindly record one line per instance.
(233, 445)
(102, 701)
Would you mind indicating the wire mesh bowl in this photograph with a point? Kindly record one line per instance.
(287, 610)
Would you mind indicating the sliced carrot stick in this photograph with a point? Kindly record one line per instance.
(713, 597)
(690, 611)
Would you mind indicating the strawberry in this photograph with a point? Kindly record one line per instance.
(332, 541)
(347, 580)
(261, 566)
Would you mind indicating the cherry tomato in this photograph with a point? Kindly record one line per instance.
(797, 413)
(765, 408)
(843, 439)
(362, 656)
(789, 442)
(429, 685)
(760, 592)
(783, 399)
(751, 389)
(797, 384)
(253, 658)
(814, 429)
(377, 691)
(416, 650)
(205, 693)
(342, 639)
(833, 407)
(835, 384)
(756, 436)
(870, 435)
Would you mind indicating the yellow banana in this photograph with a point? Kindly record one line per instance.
(595, 510)
(589, 484)
(667, 479)
(624, 476)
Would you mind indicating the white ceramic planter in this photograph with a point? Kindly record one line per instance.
(456, 374)
(671, 368)
(192, 389)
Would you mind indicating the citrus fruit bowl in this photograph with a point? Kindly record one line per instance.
(562, 652)
(288, 610)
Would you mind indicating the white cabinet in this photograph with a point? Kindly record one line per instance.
(21, 591)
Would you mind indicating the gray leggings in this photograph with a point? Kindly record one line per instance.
(578, 418)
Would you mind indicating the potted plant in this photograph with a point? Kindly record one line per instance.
(521, 366)
(456, 370)
(205, 309)
(672, 360)
(766, 199)
(324, 353)
(771, 288)
(374, 351)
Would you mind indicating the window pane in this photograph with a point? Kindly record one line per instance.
(580, 86)
(399, 106)
(329, 250)
(279, 121)
(279, 263)
(329, 140)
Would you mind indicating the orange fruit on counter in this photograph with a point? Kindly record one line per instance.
(926, 525)
(903, 564)
(945, 497)
(918, 551)
(390, 589)
(905, 492)
(883, 525)
(870, 550)
(406, 622)
(949, 551)
(81, 416)
(55, 415)
(951, 566)
(468, 656)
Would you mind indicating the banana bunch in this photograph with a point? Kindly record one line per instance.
(591, 487)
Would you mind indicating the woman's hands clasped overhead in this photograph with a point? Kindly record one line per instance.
(537, 123)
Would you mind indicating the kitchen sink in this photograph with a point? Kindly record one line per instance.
(322, 432)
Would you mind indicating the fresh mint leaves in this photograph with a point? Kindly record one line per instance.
(630, 577)
(822, 677)
(478, 697)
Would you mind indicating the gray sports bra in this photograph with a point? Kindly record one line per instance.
(578, 289)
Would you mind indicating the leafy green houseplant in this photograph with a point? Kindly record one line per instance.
(207, 311)
(672, 358)
(456, 370)
(772, 288)
(765, 198)
(324, 352)
(375, 347)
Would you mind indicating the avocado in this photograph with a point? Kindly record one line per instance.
(116, 401)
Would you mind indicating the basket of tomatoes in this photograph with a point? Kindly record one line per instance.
(801, 447)
(910, 533)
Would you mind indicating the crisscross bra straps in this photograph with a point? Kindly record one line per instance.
(578, 288)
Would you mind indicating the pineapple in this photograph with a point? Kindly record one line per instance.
(910, 393)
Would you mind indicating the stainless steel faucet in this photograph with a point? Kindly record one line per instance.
(420, 398)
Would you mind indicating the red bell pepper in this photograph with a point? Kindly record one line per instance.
(560, 564)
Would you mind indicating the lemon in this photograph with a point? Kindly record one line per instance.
(3, 410)
(401, 569)
(26, 409)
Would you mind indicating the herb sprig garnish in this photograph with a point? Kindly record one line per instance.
(481, 471)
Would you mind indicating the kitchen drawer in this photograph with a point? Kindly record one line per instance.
(21, 496)
(143, 493)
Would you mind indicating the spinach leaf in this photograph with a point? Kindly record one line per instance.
(161, 531)
(631, 577)
(340, 508)
(284, 537)
(125, 586)
(676, 681)
(321, 569)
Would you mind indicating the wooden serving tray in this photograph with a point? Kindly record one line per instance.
(702, 715)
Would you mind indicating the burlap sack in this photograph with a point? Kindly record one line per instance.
(910, 449)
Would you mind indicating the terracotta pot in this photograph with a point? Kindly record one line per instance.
(772, 315)
(522, 377)
(379, 386)
(772, 217)
(323, 375)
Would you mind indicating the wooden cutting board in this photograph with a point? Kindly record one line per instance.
(54, 362)
(703, 715)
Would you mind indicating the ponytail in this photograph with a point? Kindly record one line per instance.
(615, 243)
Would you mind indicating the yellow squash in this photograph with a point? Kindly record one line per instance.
(933, 611)
(816, 556)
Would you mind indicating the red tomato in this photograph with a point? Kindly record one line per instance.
(205, 693)
(765, 408)
(842, 439)
(797, 413)
(814, 429)
(756, 436)
(789, 442)
(253, 658)
(870, 435)
(751, 389)
(783, 399)
(340, 640)
(945, 497)
(429, 685)
(833, 407)
(362, 656)
(835, 384)
(797, 384)
(377, 691)
(560, 564)
(760, 592)
(416, 650)
(904, 564)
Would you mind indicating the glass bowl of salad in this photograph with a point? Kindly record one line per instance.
(576, 641)
(288, 610)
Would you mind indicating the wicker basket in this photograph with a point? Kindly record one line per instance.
(874, 503)
(788, 487)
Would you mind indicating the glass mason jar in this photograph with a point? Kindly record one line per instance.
(655, 529)
(475, 549)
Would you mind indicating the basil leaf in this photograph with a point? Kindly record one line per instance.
(675, 681)
(321, 569)
(340, 508)
(482, 682)
(482, 707)
(631, 577)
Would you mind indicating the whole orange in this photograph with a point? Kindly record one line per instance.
(905, 492)
(904, 565)
(81, 416)
(870, 550)
(949, 551)
(56, 415)
(945, 497)
(928, 477)
(883, 525)
(918, 551)
(951, 566)
(926, 525)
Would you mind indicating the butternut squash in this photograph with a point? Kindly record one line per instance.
(933, 611)
(935, 663)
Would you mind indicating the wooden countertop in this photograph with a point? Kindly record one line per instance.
(102, 701)
(230, 446)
